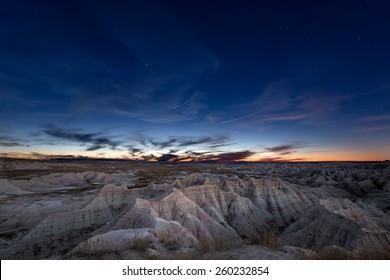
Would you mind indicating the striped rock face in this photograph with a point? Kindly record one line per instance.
(338, 222)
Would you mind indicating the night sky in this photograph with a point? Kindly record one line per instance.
(195, 80)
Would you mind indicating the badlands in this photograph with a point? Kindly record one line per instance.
(138, 210)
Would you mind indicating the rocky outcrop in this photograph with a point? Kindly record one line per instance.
(7, 188)
(97, 213)
(116, 240)
(337, 222)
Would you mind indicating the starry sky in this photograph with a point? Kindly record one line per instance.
(195, 80)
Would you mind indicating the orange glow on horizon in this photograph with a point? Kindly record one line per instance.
(343, 155)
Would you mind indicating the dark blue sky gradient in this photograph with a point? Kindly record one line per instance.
(195, 80)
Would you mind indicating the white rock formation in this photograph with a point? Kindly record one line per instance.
(7, 188)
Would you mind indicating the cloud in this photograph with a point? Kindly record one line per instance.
(38, 155)
(10, 144)
(220, 140)
(279, 159)
(371, 129)
(163, 144)
(133, 150)
(149, 157)
(286, 149)
(377, 118)
(193, 153)
(191, 156)
(321, 108)
(232, 156)
(276, 98)
(186, 141)
(95, 148)
(97, 142)
(7, 141)
(285, 117)
(167, 157)
(149, 75)
(287, 100)
(156, 80)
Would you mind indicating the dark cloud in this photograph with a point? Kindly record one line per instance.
(55, 156)
(10, 144)
(286, 149)
(219, 140)
(98, 142)
(163, 144)
(279, 159)
(193, 153)
(195, 141)
(133, 150)
(6, 141)
(94, 148)
(167, 157)
(177, 143)
(204, 157)
(149, 157)
(233, 156)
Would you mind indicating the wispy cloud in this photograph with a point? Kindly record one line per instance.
(232, 156)
(7, 141)
(209, 157)
(375, 118)
(371, 129)
(219, 140)
(97, 142)
(163, 144)
(287, 148)
(279, 159)
(95, 148)
(287, 100)
(177, 143)
(151, 76)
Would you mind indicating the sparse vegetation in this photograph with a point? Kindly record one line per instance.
(217, 243)
(169, 242)
(334, 253)
(266, 239)
(141, 243)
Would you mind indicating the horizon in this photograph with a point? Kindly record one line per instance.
(194, 81)
(80, 158)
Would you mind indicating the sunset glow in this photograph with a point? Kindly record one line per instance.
(182, 81)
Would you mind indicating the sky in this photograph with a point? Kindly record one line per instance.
(196, 80)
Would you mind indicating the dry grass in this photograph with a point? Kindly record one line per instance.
(266, 239)
(169, 242)
(218, 243)
(141, 243)
(334, 253)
